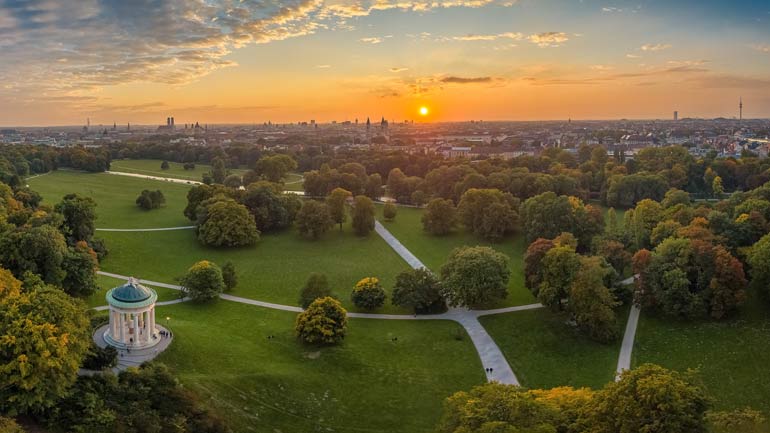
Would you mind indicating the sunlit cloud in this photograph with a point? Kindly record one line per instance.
(633, 56)
(397, 70)
(371, 40)
(323, 66)
(764, 48)
(548, 39)
(466, 80)
(654, 47)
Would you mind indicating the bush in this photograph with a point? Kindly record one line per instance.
(323, 322)
(229, 276)
(389, 211)
(99, 358)
(164, 165)
(189, 166)
(203, 281)
(368, 294)
(317, 286)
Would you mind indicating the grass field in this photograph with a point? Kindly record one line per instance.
(151, 167)
(369, 383)
(434, 250)
(545, 352)
(732, 356)
(116, 197)
(275, 269)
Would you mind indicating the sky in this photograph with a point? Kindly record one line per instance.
(243, 61)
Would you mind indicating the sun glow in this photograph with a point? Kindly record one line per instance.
(423, 111)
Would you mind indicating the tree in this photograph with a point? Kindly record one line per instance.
(615, 253)
(645, 216)
(79, 216)
(317, 286)
(80, 266)
(323, 322)
(547, 215)
(164, 165)
(648, 399)
(717, 188)
(229, 276)
(533, 275)
(40, 250)
(313, 219)
(148, 200)
(474, 276)
(488, 213)
(363, 215)
(560, 265)
(368, 294)
(389, 211)
(45, 338)
(759, 259)
(218, 170)
(224, 222)
(439, 216)
(8, 425)
(374, 186)
(271, 208)
(233, 181)
(335, 202)
(203, 281)
(274, 168)
(418, 289)
(591, 302)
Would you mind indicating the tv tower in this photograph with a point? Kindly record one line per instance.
(740, 108)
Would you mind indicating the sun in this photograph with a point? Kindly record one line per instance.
(423, 111)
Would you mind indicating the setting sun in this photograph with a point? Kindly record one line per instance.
(423, 111)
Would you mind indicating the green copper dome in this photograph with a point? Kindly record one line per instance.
(131, 295)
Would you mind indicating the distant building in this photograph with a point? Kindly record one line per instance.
(676, 116)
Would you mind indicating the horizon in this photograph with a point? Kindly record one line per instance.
(494, 60)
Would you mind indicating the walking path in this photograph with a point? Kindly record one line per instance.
(133, 358)
(146, 176)
(161, 229)
(624, 359)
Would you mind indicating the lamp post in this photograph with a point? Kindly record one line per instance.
(168, 327)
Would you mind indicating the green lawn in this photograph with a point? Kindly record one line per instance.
(275, 269)
(106, 283)
(545, 352)
(116, 197)
(369, 383)
(151, 167)
(434, 250)
(293, 182)
(732, 356)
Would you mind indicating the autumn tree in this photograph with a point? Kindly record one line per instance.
(203, 281)
(591, 302)
(368, 294)
(363, 215)
(439, 216)
(474, 276)
(323, 322)
(313, 219)
(45, 337)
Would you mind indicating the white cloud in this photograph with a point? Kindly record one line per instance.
(371, 40)
(654, 47)
(489, 37)
(633, 56)
(548, 39)
(611, 9)
(764, 48)
(323, 66)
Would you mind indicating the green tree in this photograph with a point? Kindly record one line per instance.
(418, 289)
(271, 208)
(368, 294)
(218, 170)
(80, 266)
(148, 200)
(759, 259)
(363, 215)
(374, 186)
(488, 213)
(439, 216)
(317, 286)
(164, 165)
(591, 302)
(229, 276)
(274, 168)
(560, 265)
(224, 222)
(45, 338)
(233, 181)
(40, 250)
(389, 211)
(717, 188)
(335, 202)
(203, 281)
(313, 219)
(474, 276)
(648, 399)
(8, 425)
(79, 216)
(323, 322)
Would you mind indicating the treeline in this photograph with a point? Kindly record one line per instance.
(16, 162)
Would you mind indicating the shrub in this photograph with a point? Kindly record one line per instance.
(368, 294)
(203, 281)
(317, 286)
(389, 211)
(148, 200)
(229, 276)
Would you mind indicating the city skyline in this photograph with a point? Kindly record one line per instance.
(250, 62)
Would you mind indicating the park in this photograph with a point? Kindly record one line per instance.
(245, 360)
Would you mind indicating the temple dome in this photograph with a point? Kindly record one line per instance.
(131, 294)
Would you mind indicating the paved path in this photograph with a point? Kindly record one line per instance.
(134, 358)
(624, 359)
(161, 229)
(164, 179)
(490, 354)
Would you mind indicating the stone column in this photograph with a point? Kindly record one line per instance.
(136, 328)
(152, 319)
(122, 324)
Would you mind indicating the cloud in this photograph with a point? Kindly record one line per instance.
(602, 68)
(654, 47)
(633, 56)
(548, 39)
(764, 48)
(371, 40)
(397, 70)
(611, 9)
(488, 37)
(323, 66)
(465, 80)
